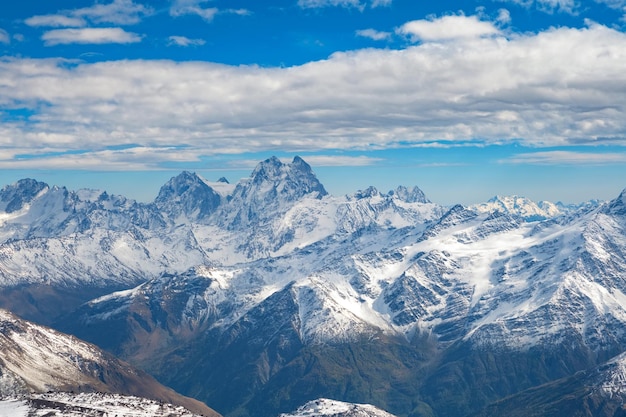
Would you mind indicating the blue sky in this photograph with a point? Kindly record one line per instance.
(466, 99)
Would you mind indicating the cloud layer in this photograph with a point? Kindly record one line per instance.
(358, 4)
(119, 12)
(564, 86)
(566, 158)
(89, 36)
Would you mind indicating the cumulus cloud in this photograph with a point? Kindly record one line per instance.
(119, 12)
(184, 41)
(566, 158)
(555, 88)
(374, 34)
(447, 28)
(89, 36)
(193, 7)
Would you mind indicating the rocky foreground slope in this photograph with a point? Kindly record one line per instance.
(36, 360)
(66, 404)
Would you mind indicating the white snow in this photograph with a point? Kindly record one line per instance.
(14, 408)
(64, 404)
(326, 407)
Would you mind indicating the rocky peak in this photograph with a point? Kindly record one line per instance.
(369, 192)
(273, 188)
(409, 195)
(292, 180)
(14, 197)
(618, 205)
(187, 194)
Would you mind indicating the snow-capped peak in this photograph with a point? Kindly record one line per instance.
(274, 187)
(14, 197)
(292, 180)
(618, 205)
(187, 195)
(520, 206)
(410, 195)
(325, 407)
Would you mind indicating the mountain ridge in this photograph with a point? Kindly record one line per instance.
(275, 292)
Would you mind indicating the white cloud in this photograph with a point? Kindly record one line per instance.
(373, 34)
(4, 36)
(552, 6)
(556, 88)
(55, 20)
(341, 160)
(137, 158)
(184, 41)
(564, 6)
(614, 4)
(446, 28)
(358, 4)
(566, 158)
(315, 160)
(193, 7)
(239, 12)
(504, 17)
(89, 36)
(119, 12)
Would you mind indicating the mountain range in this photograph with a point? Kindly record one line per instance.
(260, 296)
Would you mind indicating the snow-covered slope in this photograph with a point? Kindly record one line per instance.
(487, 278)
(331, 408)
(65, 404)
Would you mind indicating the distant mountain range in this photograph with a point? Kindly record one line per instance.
(261, 296)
